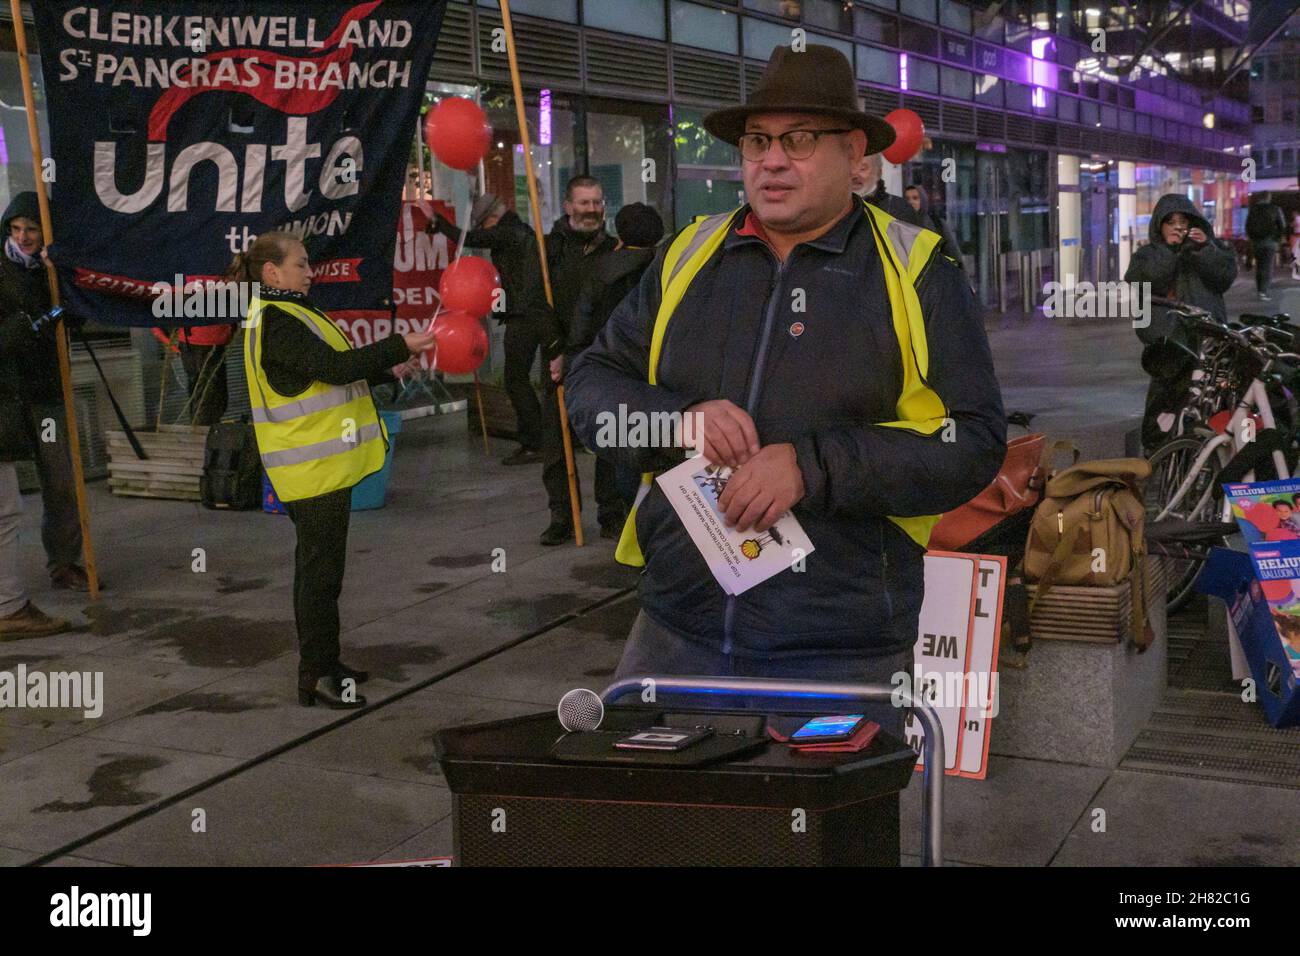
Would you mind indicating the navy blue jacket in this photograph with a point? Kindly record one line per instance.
(820, 390)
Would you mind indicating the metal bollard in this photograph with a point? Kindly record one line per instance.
(1026, 289)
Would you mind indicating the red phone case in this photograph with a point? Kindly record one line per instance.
(861, 738)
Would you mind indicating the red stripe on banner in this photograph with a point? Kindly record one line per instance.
(118, 285)
(336, 270)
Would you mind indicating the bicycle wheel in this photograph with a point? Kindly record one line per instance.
(1171, 465)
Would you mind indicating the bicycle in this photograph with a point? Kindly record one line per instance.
(1234, 369)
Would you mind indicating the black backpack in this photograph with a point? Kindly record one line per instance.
(232, 468)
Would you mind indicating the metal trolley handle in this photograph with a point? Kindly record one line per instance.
(932, 747)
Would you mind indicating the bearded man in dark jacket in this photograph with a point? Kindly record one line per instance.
(1183, 261)
(575, 243)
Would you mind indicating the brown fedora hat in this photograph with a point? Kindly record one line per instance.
(816, 80)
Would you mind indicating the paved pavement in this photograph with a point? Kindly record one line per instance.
(202, 755)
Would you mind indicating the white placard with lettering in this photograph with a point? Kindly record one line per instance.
(939, 656)
(956, 655)
(981, 690)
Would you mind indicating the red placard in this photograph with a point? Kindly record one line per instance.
(418, 261)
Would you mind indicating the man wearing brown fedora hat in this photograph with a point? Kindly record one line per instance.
(836, 362)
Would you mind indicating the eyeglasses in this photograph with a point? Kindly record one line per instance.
(796, 143)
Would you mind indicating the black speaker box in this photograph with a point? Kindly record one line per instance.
(516, 805)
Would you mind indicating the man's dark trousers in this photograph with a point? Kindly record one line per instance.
(60, 520)
(555, 474)
(318, 565)
(523, 336)
(1264, 253)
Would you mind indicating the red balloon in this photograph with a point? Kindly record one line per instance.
(1276, 590)
(1281, 534)
(1262, 516)
(462, 343)
(469, 284)
(910, 133)
(458, 132)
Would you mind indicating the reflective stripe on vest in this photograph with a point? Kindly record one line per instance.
(906, 251)
(325, 438)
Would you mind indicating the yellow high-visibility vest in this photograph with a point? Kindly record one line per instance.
(323, 439)
(905, 249)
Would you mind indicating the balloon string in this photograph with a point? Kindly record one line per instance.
(460, 249)
(469, 210)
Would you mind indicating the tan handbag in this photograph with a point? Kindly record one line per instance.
(1088, 530)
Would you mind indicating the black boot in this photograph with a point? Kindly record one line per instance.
(330, 691)
(342, 670)
(558, 531)
(522, 456)
(611, 524)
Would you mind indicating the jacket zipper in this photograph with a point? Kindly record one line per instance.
(765, 339)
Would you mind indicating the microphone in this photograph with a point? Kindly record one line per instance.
(580, 709)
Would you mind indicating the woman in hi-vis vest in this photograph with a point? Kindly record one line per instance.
(318, 433)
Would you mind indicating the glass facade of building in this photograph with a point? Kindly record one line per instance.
(617, 89)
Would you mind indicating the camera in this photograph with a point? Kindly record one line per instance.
(47, 320)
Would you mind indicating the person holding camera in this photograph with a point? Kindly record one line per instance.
(28, 379)
(36, 392)
(1183, 261)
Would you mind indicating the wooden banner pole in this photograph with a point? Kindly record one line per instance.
(65, 364)
(541, 252)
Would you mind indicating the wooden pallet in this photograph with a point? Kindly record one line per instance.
(1099, 615)
(171, 471)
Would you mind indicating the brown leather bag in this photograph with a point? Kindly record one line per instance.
(1088, 530)
(1018, 485)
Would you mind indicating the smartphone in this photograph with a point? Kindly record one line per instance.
(826, 730)
(664, 738)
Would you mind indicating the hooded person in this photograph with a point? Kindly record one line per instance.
(1183, 261)
(26, 372)
(33, 392)
(918, 198)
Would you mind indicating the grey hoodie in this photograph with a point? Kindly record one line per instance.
(1197, 273)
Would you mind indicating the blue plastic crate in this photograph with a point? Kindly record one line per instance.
(370, 492)
(367, 494)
